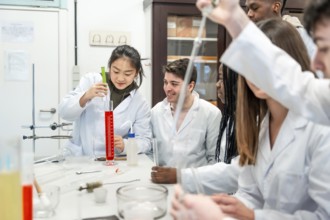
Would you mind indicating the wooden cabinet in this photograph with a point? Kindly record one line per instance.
(174, 28)
(171, 39)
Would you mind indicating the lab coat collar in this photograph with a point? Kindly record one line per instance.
(169, 118)
(125, 103)
(287, 134)
(191, 113)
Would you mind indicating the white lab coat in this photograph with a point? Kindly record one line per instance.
(271, 69)
(215, 178)
(88, 127)
(291, 181)
(194, 144)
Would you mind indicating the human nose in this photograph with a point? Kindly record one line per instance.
(167, 87)
(250, 13)
(316, 63)
(120, 78)
(218, 84)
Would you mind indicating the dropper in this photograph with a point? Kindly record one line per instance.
(197, 43)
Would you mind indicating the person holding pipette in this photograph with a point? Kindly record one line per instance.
(282, 153)
(86, 103)
(193, 140)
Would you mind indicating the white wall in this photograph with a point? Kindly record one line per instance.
(107, 15)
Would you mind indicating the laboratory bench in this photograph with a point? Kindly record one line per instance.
(75, 204)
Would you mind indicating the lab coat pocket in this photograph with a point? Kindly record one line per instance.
(289, 190)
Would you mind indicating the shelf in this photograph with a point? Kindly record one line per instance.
(191, 39)
(198, 59)
(174, 30)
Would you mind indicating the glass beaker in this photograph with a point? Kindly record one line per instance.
(10, 180)
(47, 202)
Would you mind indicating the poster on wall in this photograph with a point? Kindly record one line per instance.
(17, 32)
(16, 65)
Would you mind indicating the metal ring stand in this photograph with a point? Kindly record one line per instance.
(52, 126)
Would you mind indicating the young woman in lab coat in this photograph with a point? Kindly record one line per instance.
(86, 104)
(227, 168)
(283, 154)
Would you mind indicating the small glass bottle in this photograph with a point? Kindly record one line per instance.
(132, 150)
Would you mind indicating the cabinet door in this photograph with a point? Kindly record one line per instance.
(181, 33)
(174, 30)
(30, 37)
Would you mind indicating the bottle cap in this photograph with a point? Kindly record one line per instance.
(131, 135)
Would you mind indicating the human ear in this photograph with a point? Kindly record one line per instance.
(191, 86)
(277, 6)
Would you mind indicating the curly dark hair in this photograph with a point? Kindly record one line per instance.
(316, 11)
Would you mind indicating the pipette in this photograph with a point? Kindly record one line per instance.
(197, 43)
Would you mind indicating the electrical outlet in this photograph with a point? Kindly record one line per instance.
(109, 38)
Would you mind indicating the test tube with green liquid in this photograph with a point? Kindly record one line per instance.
(104, 78)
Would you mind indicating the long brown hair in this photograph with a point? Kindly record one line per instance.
(250, 110)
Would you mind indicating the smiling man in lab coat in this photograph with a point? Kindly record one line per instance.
(192, 142)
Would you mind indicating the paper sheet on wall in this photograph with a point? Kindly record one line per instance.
(16, 65)
(22, 32)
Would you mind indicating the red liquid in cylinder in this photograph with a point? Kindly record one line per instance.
(27, 202)
(109, 135)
